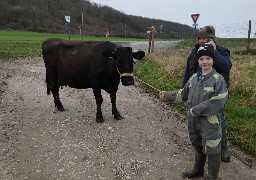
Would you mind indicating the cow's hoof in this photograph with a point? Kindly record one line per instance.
(118, 117)
(100, 119)
(60, 109)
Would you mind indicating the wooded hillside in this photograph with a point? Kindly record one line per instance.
(48, 16)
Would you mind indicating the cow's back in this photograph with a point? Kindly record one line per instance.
(80, 64)
(84, 65)
(52, 47)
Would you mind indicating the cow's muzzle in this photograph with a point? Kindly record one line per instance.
(127, 79)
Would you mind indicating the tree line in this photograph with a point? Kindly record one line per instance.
(48, 16)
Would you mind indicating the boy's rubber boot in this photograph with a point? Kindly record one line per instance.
(225, 156)
(213, 167)
(198, 170)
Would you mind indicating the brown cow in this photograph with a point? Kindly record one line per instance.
(88, 64)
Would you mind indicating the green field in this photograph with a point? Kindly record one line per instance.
(19, 43)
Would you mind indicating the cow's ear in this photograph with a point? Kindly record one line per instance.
(138, 55)
(108, 53)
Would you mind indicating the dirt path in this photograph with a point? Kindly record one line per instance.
(39, 143)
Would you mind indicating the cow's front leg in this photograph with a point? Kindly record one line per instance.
(115, 112)
(57, 102)
(99, 100)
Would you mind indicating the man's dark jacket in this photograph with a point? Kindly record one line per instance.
(222, 64)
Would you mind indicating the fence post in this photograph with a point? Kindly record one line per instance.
(249, 33)
(151, 38)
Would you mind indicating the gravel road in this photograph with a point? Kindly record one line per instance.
(143, 45)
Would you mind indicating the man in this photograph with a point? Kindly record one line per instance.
(222, 65)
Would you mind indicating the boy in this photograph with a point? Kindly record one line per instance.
(205, 94)
(222, 64)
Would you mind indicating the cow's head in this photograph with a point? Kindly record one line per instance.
(123, 57)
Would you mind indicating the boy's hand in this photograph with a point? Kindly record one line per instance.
(161, 94)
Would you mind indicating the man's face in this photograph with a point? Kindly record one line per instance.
(203, 40)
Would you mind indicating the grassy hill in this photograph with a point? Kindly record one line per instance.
(48, 16)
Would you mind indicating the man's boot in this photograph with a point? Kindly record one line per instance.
(213, 167)
(225, 156)
(198, 170)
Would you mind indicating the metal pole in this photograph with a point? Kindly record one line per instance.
(68, 31)
(124, 30)
(82, 32)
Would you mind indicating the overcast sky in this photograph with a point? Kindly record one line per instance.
(230, 17)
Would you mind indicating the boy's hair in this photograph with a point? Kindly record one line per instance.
(205, 50)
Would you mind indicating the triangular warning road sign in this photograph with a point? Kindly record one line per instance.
(195, 17)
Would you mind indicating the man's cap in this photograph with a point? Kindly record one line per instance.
(207, 31)
(205, 50)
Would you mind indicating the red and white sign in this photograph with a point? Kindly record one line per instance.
(195, 17)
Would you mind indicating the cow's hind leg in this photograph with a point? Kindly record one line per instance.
(57, 102)
(115, 112)
(53, 86)
(99, 100)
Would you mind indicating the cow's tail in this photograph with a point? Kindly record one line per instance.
(47, 83)
(47, 86)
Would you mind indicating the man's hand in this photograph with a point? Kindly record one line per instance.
(212, 43)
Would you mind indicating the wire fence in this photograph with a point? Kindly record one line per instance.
(236, 30)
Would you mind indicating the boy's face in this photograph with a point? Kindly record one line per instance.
(205, 62)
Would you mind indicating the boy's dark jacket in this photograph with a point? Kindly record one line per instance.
(222, 63)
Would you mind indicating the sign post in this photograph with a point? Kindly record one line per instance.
(195, 18)
(82, 33)
(67, 18)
